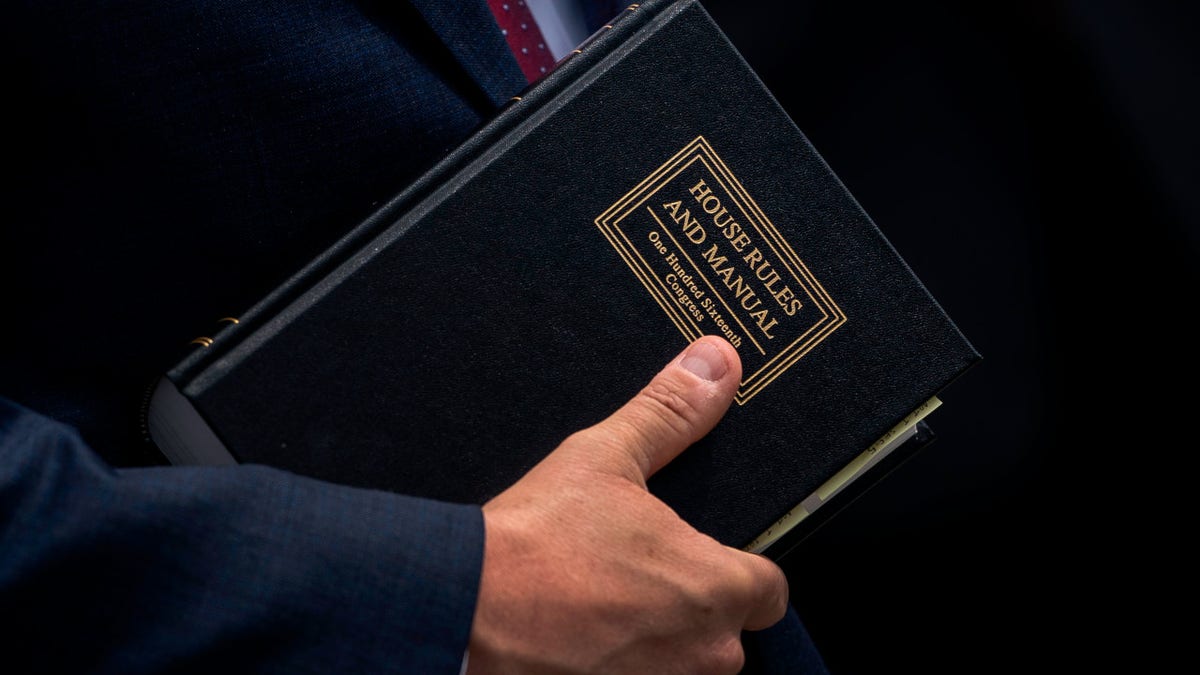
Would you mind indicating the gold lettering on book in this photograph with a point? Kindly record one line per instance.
(716, 264)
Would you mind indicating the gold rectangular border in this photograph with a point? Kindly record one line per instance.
(700, 150)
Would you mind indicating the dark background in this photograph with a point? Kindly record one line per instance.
(1036, 163)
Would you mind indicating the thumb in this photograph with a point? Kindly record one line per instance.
(677, 408)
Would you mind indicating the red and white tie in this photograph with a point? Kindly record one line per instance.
(523, 36)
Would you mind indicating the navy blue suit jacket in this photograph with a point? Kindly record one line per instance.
(178, 160)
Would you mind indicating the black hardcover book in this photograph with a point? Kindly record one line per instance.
(647, 191)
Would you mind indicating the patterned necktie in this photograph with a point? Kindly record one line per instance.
(523, 36)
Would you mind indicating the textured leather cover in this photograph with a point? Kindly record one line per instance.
(531, 284)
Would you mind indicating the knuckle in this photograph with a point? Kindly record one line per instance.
(775, 586)
(726, 656)
(581, 438)
(594, 441)
(670, 407)
(766, 592)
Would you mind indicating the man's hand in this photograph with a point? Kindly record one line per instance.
(585, 571)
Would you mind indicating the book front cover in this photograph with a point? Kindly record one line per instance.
(661, 195)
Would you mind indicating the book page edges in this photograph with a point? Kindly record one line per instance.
(894, 438)
(180, 432)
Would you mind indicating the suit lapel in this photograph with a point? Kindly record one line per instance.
(468, 29)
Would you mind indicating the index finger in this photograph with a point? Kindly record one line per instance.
(765, 591)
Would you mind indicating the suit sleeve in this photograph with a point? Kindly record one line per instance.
(242, 569)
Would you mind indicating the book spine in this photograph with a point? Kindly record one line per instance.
(206, 349)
